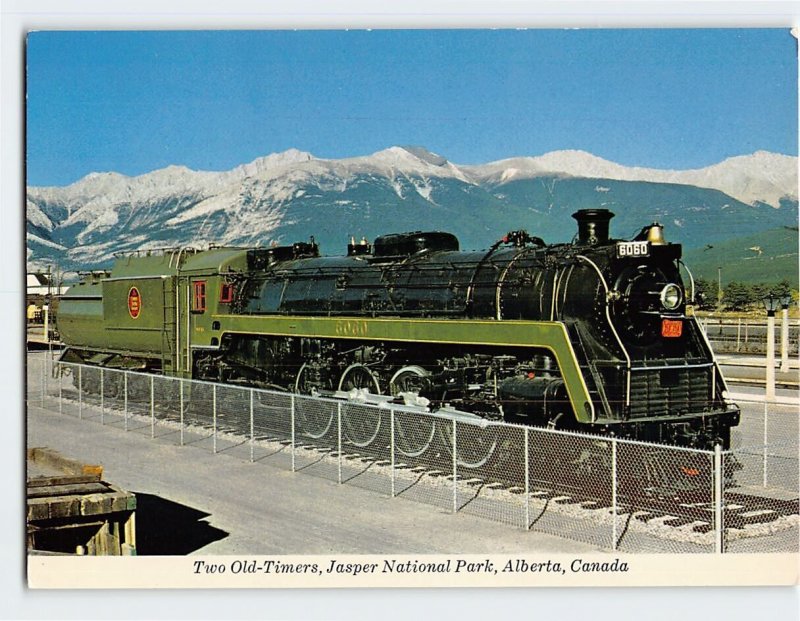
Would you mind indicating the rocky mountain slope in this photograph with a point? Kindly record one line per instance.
(289, 196)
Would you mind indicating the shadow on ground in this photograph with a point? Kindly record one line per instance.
(164, 527)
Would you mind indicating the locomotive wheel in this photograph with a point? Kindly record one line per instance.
(362, 426)
(305, 383)
(315, 420)
(475, 445)
(405, 380)
(412, 437)
(302, 384)
(360, 377)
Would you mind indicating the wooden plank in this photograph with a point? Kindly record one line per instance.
(45, 457)
(67, 490)
(129, 547)
(96, 505)
(43, 481)
(67, 527)
(38, 511)
(46, 508)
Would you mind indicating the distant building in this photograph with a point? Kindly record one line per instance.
(41, 292)
(40, 286)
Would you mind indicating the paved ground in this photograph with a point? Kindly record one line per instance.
(192, 501)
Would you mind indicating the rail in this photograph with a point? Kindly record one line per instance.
(613, 493)
(748, 335)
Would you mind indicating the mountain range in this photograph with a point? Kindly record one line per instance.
(290, 196)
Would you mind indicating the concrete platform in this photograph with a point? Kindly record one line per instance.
(780, 399)
(738, 360)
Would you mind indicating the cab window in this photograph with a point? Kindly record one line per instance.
(199, 297)
(226, 293)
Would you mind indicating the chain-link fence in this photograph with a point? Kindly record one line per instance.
(614, 494)
(762, 505)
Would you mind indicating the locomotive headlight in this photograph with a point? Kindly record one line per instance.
(671, 296)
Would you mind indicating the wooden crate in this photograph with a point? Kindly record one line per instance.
(71, 510)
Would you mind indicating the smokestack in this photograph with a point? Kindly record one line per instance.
(592, 226)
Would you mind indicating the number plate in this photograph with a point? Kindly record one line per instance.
(633, 249)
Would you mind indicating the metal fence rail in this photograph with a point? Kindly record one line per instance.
(748, 335)
(612, 493)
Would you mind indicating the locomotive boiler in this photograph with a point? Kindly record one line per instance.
(590, 335)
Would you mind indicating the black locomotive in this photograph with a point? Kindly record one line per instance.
(590, 335)
(646, 367)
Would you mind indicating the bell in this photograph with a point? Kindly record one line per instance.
(655, 234)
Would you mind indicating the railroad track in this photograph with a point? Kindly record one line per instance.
(688, 520)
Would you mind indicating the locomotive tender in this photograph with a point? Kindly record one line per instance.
(590, 335)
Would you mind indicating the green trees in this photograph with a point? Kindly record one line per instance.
(738, 296)
(705, 294)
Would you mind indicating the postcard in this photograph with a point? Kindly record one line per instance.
(411, 308)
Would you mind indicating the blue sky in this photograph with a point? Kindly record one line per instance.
(133, 102)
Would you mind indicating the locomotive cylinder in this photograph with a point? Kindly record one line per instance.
(537, 396)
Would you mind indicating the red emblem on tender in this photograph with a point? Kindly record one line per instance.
(134, 302)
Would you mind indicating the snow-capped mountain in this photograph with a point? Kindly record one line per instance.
(285, 197)
(761, 177)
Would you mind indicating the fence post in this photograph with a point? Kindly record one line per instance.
(785, 338)
(526, 431)
(180, 390)
(214, 419)
(391, 448)
(738, 334)
(152, 410)
(770, 374)
(125, 399)
(339, 438)
(613, 494)
(765, 445)
(292, 407)
(102, 398)
(252, 428)
(60, 388)
(80, 391)
(718, 525)
(455, 467)
(44, 377)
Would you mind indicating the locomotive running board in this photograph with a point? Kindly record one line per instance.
(550, 335)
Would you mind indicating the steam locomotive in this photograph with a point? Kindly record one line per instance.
(590, 335)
